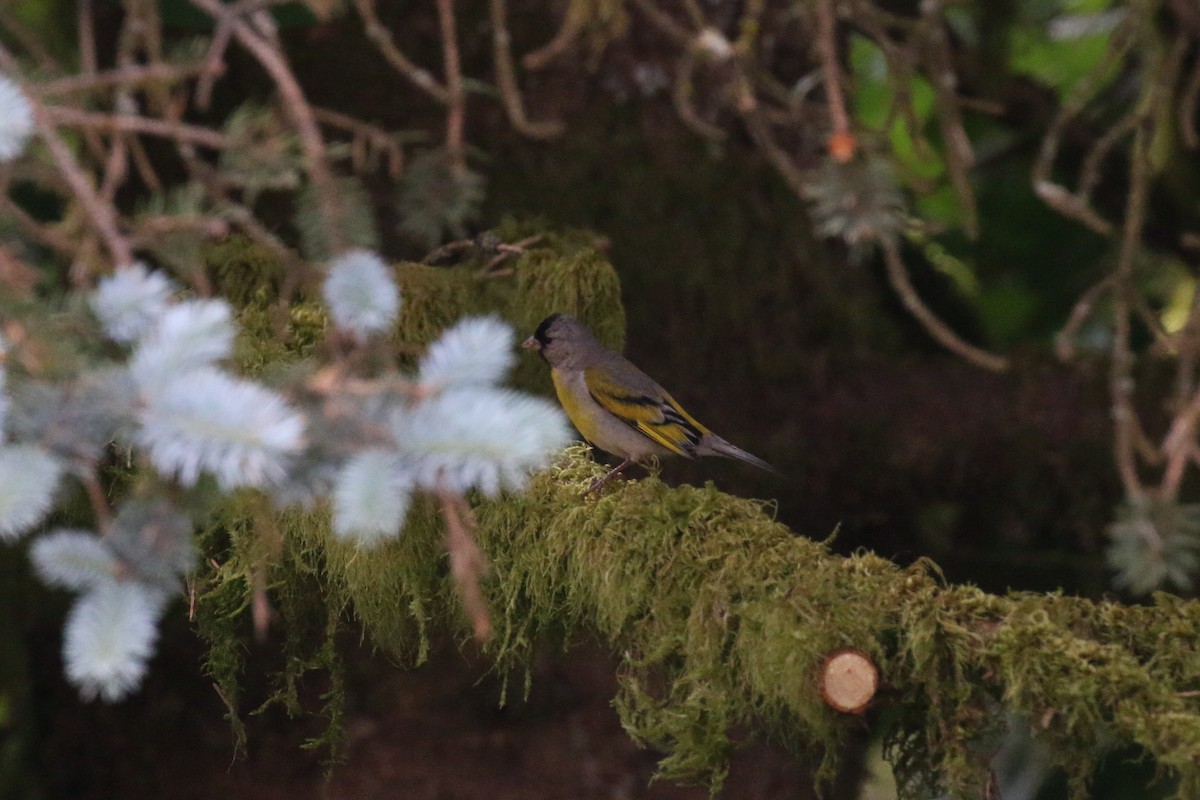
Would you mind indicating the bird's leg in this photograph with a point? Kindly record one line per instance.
(599, 483)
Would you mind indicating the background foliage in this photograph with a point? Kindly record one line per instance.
(935, 261)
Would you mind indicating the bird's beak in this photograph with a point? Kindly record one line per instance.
(531, 344)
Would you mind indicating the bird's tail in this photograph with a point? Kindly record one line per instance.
(712, 445)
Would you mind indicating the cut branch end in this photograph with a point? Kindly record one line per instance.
(848, 680)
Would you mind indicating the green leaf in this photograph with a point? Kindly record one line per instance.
(1059, 49)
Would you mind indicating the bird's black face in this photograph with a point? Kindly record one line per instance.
(542, 337)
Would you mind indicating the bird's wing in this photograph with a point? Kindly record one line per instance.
(644, 406)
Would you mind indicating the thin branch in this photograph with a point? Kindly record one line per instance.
(898, 277)
(374, 135)
(101, 509)
(1064, 343)
(1121, 383)
(1188, 338)
(841, 142)
(959, 155)
(101, 214)
(760, 132)
(29, 39)
(214, 62)
(115, 168)
(750, 25)
(1152, 322)
(1178, 446)
(141, 160)
(456, 99)
(1188, 106)
(665, 24)
(88, 63)
(506, 79)
(123, 77)
(1118, 45)
(46, 234)
(568, 33)
(467, 563)
(125, 123)
(681, 96)
(16, 277)
(1089, 173)
(1072, 206)
(292, 97)
(381, 37)
(150, 229)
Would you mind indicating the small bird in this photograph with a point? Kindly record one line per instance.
(617, 407)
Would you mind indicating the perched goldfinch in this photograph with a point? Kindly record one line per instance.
(617, 407)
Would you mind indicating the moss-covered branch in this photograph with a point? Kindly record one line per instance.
(722, 616)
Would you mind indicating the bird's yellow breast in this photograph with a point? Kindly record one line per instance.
(579, 408)
(602, 428)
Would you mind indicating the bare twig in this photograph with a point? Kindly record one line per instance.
(1064, 343)
(381, 37)
(764, 139)
(505, 252)
(898, 277)
(1121, 381)
(17, 278)
(456, 99)
(1188, 106)
(214, 61)
(1119, 43)
(88, 63)
(750, 25)
(1070, 205)
(260, 604)
(506, 79)
(661, 20)
(1188, 347)
(141, 160)
(101, 214)
(568, 32)
(681, 95)
(1089, 173)
(292, 97)
(27, 38)
(127, 77)
(468, 565)
(373, 135)
(1178, 446)
(125, 123)
(959, 155)
(841, 142)
(44, 234)
(150, 229)
(101, 510)
(115, 168)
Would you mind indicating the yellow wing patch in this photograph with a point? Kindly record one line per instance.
(659, 418)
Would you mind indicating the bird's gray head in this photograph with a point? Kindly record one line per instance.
(560, 340)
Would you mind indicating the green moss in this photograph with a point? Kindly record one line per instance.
(245, 272)
(310, 578)
(720, 615)
(561, 273)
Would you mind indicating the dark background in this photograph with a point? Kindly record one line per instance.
(779, 341)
